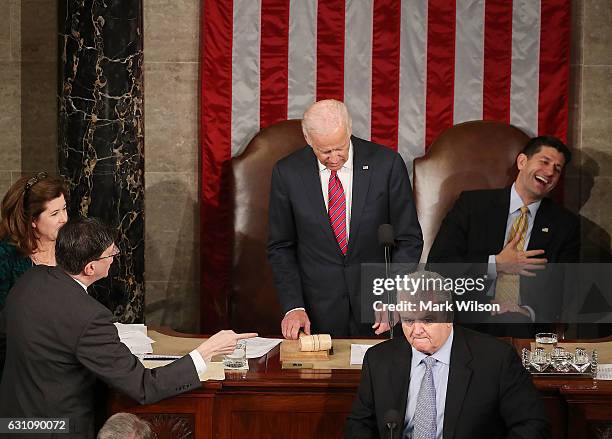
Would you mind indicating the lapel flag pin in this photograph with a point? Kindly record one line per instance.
(545, 229)
(365, 167)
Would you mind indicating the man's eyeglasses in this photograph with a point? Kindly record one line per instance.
(114, 255)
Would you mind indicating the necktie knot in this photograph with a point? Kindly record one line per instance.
(429, 362)
(334, 174)
(524, 210)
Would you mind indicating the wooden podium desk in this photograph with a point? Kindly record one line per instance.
(269, 402)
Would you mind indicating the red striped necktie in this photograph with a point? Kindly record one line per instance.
(337, 211)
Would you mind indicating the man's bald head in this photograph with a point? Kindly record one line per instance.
(325, 118)
(327, 129)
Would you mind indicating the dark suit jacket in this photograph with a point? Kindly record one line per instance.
(60, 341)
(489, 394)
(475, 228)
(309, 269)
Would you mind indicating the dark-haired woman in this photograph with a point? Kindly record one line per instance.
(32, 212)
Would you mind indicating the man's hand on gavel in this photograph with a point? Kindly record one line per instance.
(223, 342)
(293, 321)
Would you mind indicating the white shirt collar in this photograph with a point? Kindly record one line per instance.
(516, 203)
(442, 355)
(81, 284)
(349, 161)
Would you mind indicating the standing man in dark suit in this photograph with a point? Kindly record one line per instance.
(327, 201)
(444, 381)
(514, 231)
(60, 340)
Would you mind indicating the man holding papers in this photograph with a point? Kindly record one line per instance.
(60, 340)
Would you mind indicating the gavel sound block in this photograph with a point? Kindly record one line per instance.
(307, 347)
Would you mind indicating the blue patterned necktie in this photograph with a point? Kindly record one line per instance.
(425, 412)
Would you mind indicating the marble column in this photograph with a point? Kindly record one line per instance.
(101, 142)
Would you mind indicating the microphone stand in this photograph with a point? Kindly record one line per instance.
(389, 313)
(391, 422)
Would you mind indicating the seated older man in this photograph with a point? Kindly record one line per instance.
(442, 380)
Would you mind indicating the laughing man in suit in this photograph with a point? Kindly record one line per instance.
(516, 230)
(444, 381)
(327, 201)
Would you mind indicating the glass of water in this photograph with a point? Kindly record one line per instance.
(581, 360)
(237, 359)
(546, 341)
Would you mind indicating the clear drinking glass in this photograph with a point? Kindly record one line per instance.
(237, 359)
(540, 360)
(546, 341)
(581, 360)
(561, 360)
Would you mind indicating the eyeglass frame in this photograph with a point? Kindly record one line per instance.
(114, 255)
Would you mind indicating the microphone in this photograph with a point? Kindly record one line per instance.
(386, 238)
(391, 420)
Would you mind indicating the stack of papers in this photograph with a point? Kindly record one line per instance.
(259, 346)
(134, 336)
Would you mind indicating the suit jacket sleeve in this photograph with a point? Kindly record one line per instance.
(361, 422)
(101, 352)
(408, 235)
(282, 242)
(520, 405)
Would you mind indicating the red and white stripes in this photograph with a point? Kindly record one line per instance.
(406, 69)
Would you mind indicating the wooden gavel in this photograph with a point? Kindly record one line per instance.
(314, 342)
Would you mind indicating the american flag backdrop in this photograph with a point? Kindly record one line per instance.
(406, 69)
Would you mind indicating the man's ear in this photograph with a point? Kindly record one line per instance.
(521, 161)
(89, 269)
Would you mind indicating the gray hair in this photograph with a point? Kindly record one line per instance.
(325, 117)
(431, 288)
(125, 426)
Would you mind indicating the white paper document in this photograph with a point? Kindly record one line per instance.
(357, 353)
(604, 371)
(135, 338)
(259, 346)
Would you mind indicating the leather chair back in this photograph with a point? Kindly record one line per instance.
(253, 301)
(471, 155)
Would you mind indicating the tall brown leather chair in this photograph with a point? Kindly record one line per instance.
(471, 155)
(253, 302)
